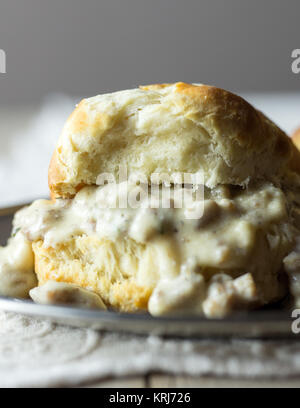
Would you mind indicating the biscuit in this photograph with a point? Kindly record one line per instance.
(167, 128)
(155, 259)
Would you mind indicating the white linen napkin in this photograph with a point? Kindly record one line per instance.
(37, 353)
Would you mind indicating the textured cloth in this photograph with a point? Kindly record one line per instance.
(35, 353)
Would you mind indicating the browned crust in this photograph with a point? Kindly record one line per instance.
(296, 138)
(295, 162)
(55, 176)
(237, 117)
(154, 87)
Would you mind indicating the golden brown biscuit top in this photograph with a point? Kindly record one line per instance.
(167, 128)
(296, 138)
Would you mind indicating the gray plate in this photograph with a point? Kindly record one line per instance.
(253, 324)
(275, 322)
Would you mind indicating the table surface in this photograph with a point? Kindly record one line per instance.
(168, 381)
